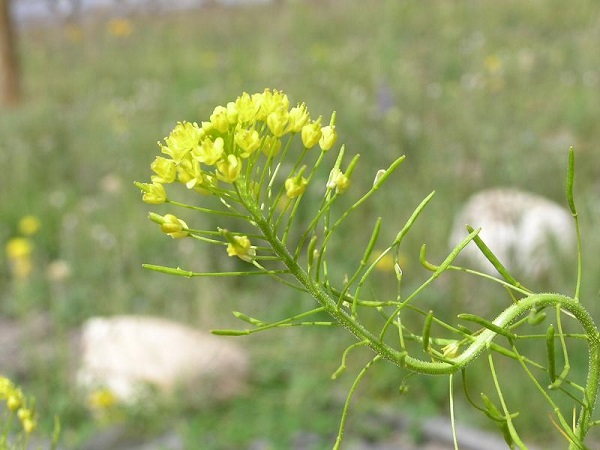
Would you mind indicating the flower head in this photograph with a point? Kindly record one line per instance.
(174, 227)
(278, 122)
(328, 135)
(210, 152)
(190, 173)
(298, 117)
(270, 146)
(271, 101)
(184, 137)
(311, 133)
(219, 119)
(165, 170)
(295, 186)
(248, 140)
(229, 169)
(241, 247)
(247, 107)
(153, 193)
(170, 225)
(338, 181)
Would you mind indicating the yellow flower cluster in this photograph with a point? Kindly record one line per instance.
(19, 250)
(226, 148)
(15, 402)
(202, 155)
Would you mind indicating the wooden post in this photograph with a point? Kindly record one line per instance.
(10, 89)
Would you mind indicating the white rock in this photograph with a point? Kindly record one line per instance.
(525, 231)
(124, 354)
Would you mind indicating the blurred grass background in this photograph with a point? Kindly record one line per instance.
(475, 93)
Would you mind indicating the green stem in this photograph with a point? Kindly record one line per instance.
(402, 359)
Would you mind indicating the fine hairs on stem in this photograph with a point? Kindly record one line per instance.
(258, 155)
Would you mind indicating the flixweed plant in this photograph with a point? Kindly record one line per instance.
(262, 159)
(16, 407)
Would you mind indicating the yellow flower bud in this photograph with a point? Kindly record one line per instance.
(210, 152)
(27, 421)
(229, 169)
(298, 117)
(190, 173)
(241, 247)
(232, 113)
(153, 193)
(277, 122)
(14, 401)
(247, 107)
(165, 170)
(247, 140)
(174, 227)
(295, 186)
(270, 102)
(23, 414)
(219, 119)
(338, 181)
(29, 425)
(329, 135)
(184, 137)
(311, 133)
(451, 350)
(270, 146)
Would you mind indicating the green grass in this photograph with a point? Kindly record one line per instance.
(476, 94)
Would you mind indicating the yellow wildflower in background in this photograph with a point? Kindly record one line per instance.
(16, 402)
(119, 27)
(19, 247)
(73, 32)
(493, 64)
(102, 399)
(386, 263)
(29, 225)
(18, 252)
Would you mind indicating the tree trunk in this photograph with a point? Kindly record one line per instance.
(10, 89)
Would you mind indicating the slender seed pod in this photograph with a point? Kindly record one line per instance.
(551, 355)
(426, 330)
(487, 324)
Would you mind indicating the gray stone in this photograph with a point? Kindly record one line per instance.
(126, 354)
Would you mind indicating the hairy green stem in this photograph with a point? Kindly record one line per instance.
(479, 343)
